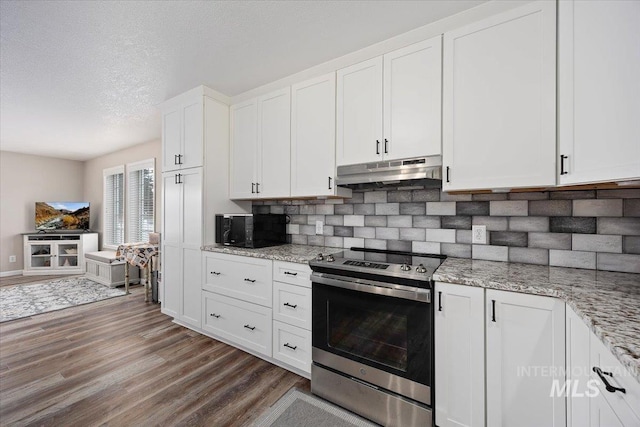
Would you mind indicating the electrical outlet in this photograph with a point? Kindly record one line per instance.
(479, 234)
(12, 258)
(319, 227)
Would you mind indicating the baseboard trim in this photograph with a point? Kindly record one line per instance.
(11, 273)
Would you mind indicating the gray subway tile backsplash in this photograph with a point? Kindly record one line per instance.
(577, 228)
(508, 238)
(568, 224)
(472, 208)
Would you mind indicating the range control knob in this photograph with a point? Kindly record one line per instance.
(330, 258)
(405, 267)
(319, 257)
(421, 269)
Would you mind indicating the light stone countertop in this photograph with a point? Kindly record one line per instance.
(608, 302)
(300, 254)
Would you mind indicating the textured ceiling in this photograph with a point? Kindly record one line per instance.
(79, 79)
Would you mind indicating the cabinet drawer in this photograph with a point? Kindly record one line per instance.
(245, 278)
(292, 304)
(625, 405)
(290, 272)
(292, 346)
(243, 323)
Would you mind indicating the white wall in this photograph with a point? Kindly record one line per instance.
(93, 178)
(24, 180)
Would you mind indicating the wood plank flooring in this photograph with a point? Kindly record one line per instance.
(120, 362)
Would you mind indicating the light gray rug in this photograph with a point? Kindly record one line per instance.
(26, 300)
(298, 409)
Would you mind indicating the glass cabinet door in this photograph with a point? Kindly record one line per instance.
(41, 255)
(67, 255)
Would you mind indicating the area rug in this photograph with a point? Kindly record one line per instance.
(297, 409)
(27, 300)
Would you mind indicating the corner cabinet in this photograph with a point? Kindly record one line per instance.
(313, 138)
(589, 403)
(59, 253)
(518, 335)
(499, 101)
(389, 107)
(598, 91)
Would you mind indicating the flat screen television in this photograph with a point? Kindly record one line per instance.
(61, 216)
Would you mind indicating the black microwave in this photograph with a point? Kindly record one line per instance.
(251, 230)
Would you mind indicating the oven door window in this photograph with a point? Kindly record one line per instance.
(378, 335)
(391, 334)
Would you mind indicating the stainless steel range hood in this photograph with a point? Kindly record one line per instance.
(422, 171)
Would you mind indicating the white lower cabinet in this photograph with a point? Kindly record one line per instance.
(292, 345)
(589, 403)
(459, 352)
(525, 351)
(523, 340)
(246, 324)
(260, 305)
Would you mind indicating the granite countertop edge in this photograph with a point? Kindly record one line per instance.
(299, 254)
(622, 290)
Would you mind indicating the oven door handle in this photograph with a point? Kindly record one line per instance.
(414, 294)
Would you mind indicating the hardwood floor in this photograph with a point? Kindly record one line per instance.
(120, 362)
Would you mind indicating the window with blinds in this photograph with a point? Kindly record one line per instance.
(113, 222)
(140, 201)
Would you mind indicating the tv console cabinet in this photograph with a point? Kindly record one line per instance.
(57, 253)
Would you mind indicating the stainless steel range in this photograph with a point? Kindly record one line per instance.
(372, 333)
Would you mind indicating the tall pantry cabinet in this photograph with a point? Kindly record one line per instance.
(195, 182)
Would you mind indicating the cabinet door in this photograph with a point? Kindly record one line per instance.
(171, 206)
(67, 255)
(578, 403)
(191, 302)
(525, 350)
(244, 149)
(274, 142)
(313, 120)
(359, 113)
(598, 90)
(602, 414)
(412, 100)
(192, 151)
(499, 101)
(459, 353)
(171, 139)
(171, 279)
(191, 218)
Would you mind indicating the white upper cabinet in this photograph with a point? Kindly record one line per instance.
(260, 146)
(313, 138)
(413, 101)
(274, 144)
(244, 150)
(182, 137)
(389, 107)
(359, 113)
(499, 98)
(598, 91)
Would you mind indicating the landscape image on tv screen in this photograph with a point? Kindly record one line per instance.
(62, 216)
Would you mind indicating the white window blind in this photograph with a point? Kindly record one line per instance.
(113, 222)
(140, 201)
